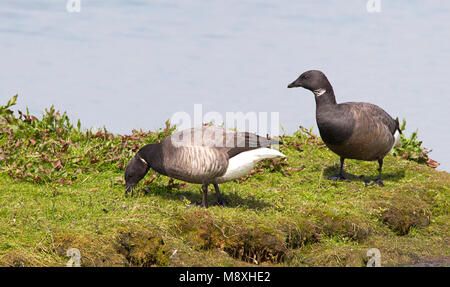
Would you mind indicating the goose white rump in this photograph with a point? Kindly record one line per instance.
(398, 141)
(241, 164)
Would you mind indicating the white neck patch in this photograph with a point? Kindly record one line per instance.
(319, 92)
(141, 159)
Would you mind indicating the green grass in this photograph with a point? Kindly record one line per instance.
(285, 214)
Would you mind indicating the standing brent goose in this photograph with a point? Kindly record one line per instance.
(351, 130)
(203, 155)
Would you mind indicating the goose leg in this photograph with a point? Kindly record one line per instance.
(220, 200)
(378, 180)
(204, 195)
(340, 176)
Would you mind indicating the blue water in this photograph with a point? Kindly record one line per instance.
(131, 64)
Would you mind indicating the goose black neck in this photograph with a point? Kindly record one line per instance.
(153, 155)
(326, 99)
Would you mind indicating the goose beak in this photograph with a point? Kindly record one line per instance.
(129, 188)
(294, 84)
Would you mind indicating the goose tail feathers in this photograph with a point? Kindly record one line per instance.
(398, 141)
(397, 126)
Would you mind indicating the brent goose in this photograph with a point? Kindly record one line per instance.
(352, 130)
(203, 155)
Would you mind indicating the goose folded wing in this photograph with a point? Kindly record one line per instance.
(374, 115)
(224, 140)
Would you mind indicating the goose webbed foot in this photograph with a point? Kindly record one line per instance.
(200, 204)
(204, 203)
(378, 181)
(365, 180)
(339, 177)
(195, 204)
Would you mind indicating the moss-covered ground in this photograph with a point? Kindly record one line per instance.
(284, 214)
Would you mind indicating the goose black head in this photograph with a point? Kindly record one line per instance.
(312, 80)
(136, 169)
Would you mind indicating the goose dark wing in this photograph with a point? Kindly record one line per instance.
(375, 114)
(373, 132)
(244, 141)
(227, 141)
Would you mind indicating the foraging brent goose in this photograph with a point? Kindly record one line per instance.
(204, 155)
(352, 130)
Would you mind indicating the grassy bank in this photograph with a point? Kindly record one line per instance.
(61, 187)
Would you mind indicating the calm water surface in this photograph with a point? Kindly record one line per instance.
(131, 64)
